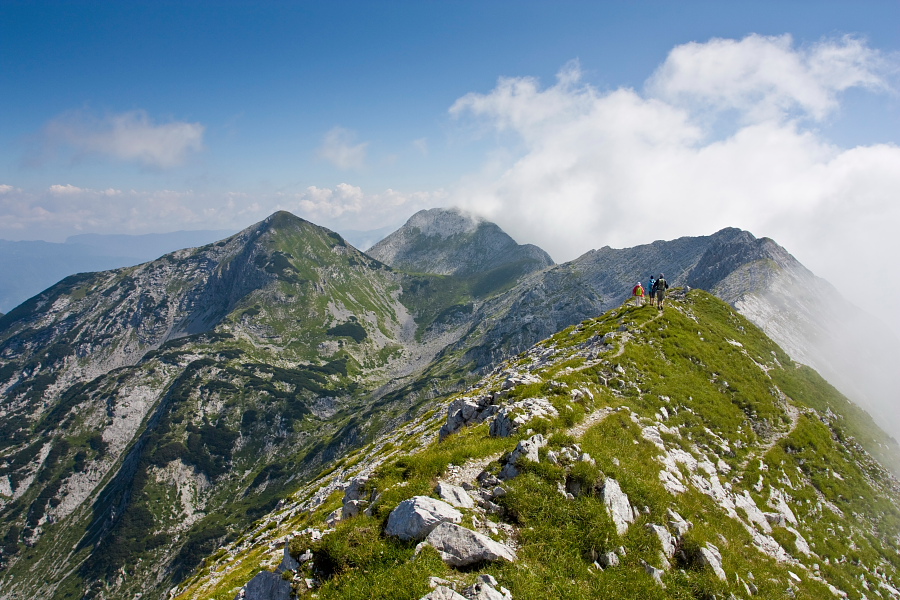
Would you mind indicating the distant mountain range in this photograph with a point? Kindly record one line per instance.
(151, 413)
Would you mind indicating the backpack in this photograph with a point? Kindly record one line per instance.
(638, 290)
(662, 284)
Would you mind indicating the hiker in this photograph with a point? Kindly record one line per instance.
(638, 293)
(651, 287)
(661, 286)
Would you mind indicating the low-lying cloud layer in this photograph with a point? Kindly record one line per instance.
(724, 134)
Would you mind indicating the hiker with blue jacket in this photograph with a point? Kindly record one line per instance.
(651, 287)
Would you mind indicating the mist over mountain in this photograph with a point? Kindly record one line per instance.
(153, 413)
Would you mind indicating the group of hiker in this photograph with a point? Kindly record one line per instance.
(656, 289)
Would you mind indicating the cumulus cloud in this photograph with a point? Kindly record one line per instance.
(131, 136)
(4, 189)
(65, 189)
(765, 77)
(349, 206)
(339, 148)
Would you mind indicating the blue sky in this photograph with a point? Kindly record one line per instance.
(571, 124)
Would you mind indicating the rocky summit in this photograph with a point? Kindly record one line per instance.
(279, 413)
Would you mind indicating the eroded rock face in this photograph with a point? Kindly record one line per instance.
(413, 519)
(266, 586)
(460, 547)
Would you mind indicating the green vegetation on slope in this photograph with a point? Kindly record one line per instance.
(697, 387)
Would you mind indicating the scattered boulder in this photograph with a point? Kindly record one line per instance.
(442, 592)
(513, 416)
(486, 589)
(608, 559)
(665, 539)
(527, 449)
(460, 547)
(455, 495)
(413, 519)
(517, 380)
(266, 586)
(468, 411)
(618, 505)
(678, 523)
(712, 558)
(655, 573)
(288, 562)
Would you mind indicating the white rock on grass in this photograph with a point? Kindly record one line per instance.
(486, 591)
(527, 449)
(513, 416)
(413, 519)
(618, 505)
(442, 592)
(460, 547)
(455, 495)
(711, 557)
(665, 539)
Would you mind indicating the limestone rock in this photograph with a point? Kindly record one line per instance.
(712, 558)
(609, 559)
(513, 416)
(442, 592)
(487, 591)
(618, 505)
(413, 519)
(288, 563)
(527, 449)
(455, 495)
(460, 547)
(266, 586)
(665, 539)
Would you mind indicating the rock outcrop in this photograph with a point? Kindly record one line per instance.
(415, 518)
(461, 547)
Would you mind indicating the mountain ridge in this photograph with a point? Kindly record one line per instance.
(154, 412)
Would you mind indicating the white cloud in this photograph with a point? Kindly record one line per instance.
(65, 189)
(339, 148)
(5, 189)
(130, 136)
(591, 168)
(348, 206)
(765, 77)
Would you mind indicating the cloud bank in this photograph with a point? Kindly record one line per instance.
(724, 134)
(130, 136)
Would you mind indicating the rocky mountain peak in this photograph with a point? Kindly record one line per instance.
(444, 222)
(452, 242)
